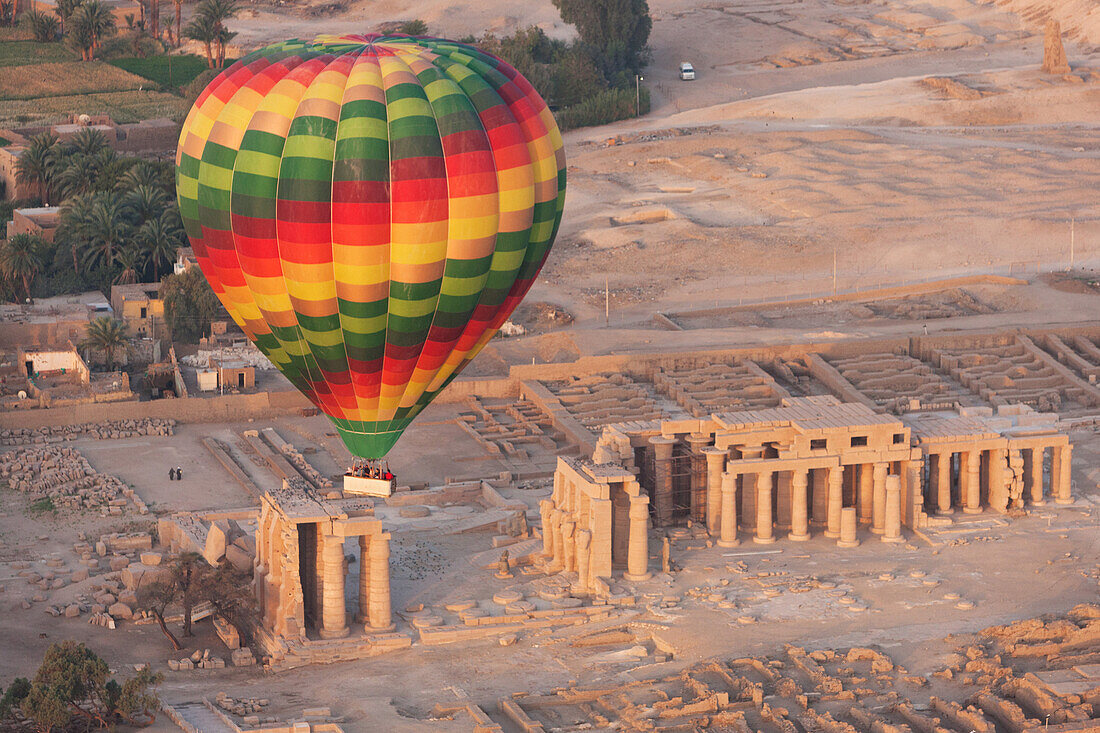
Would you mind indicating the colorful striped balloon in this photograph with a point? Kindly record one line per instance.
(370, 210)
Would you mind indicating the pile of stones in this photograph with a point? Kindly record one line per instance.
(241, 707)
(110, 430)
(299, 461)
(65, 476)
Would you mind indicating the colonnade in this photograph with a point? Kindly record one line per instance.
(961, 483)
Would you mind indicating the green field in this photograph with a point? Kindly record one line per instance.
(22, 53)
(123, 107)
(65, 79)
(178, 72)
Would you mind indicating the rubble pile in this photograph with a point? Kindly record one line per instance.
(64, 476)
(299, 462)
(110, 430)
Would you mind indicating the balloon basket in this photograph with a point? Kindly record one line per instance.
(360, 486)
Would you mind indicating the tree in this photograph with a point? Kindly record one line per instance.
(154, 174)
(189, 305)
(78, 176)
(21, 259)
(179, 17)
(74, 684)
(144, 203)
(229, 591)
(208, 27)
(160, 238)
(156, 597)
(43, 27)
(107, 335)
(107, 229)
(413, 28)
(88, 140)
(65, 10)
(617, 29)
(36, 163)
(130, 259)
(91, 23)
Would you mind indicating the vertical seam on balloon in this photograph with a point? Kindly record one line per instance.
(332, 244)
(496, 172)
(389, 235)
(421, 53)
(309, 359)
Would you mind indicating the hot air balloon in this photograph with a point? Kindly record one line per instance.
(370, 209)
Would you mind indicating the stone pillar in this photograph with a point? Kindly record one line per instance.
(698, 443)
(545, 507)
(568, 527)
(943, 483)
(716, 465)
(637, 553)
(364, 579)
(892, 525)
(878, 508)
(334, 616)
(800, 518)
(764, 535)
(729, 511)
(848, 524)
(662, 479)
(973, 496)
(1033, 475)
(557, 517)
(380, 611)
(835, 481)
(584, 545)
(998, 486)
(1062, 489)
(818, 497)
(865, 491)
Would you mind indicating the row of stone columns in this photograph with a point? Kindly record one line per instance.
(969, 476)
(841, 521)
(374, 584)
(568, 548)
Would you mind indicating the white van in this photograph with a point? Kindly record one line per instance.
(687, 71)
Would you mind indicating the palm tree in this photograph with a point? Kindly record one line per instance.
(106, 230)
(130, 260)
(73, 226)
(88, 140)
(147, 173)
(202, 28)
(107, 335)
(34, 167)
(91, 23)
(64, 10)
(145, 203)
(21, 259)
(179, 17)
(78, 176)
(161, 237)
(208, 26)
(43, 26)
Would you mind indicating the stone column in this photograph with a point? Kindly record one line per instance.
(334, 621)
(557, 517)
(998, 488)
(764, 535)
(729, 511)
(637, 553)
(584, 544)
(1063, 488)
(892, 525)
(866, 491)
(662, 479)
(835, 481)
(818, 488)
(545, 507)
(716, 465)
(800, 517)
(568, 547)
(973, 494)
(1033, 475)
(380, 611)
(848, 523)
(698, 443)
(878, 508)
(364, 579)
(943, 483)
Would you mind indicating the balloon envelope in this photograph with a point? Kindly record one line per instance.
(370, 210)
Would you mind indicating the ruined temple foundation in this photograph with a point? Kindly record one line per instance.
(812, 461)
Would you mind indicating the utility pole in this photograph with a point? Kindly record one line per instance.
(834, 270)
(1072, 239)
(638, 95)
